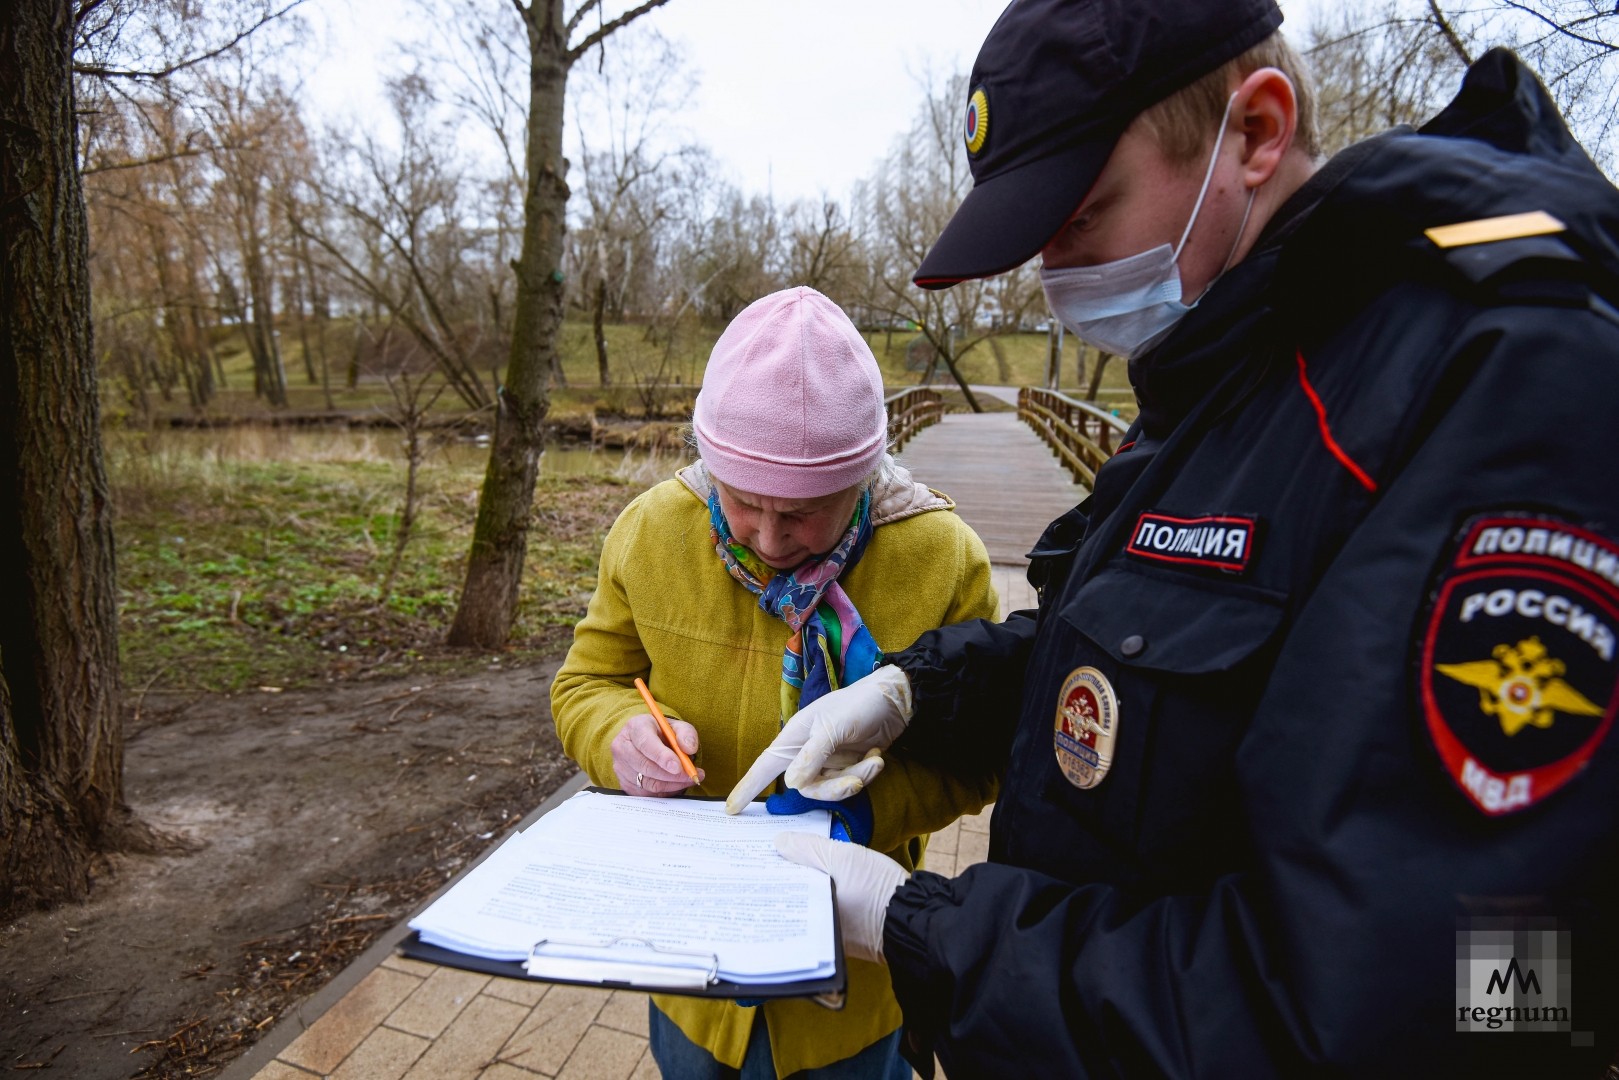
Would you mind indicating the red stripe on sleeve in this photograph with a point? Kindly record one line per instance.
(1326, 431)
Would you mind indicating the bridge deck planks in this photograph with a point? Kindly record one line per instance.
(1007, 484)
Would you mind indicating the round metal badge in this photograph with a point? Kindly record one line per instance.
(1087, 722)
(976, 128)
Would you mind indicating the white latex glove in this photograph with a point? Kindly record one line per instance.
(865, 880)
(833, 746)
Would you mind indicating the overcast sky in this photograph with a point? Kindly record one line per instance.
(796, 96)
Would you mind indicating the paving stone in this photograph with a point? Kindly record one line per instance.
(518, 991)
(944, 841)
(646, 1068)
(1013, 589)
(395, 962)
(977, 823)
(625, 1011)
(471, 1042)
(548, 1036)
(974, 849)
(944, 865)
(501, 1070)
(385, 1055)
(603, 1054)
(346, 1024)
(280, 1070)
(437, 1001)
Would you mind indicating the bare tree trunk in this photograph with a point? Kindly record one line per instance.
(1096, 375)
(61, 740)
(411, 415)
(600, 333)
(1003, 369)
(488, 601)
(500, 535)
(961, 381)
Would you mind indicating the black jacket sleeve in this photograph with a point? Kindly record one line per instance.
(967, 679)
(965, 691)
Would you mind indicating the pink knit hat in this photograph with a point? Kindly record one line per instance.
(792, 401)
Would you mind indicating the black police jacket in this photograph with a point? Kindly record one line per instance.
(1323, 672)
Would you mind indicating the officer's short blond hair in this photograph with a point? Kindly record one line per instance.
(1183, 123)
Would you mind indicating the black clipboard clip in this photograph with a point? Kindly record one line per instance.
(621, 962)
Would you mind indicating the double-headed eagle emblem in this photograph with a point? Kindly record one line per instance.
(1521, 686)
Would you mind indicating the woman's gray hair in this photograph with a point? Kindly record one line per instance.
(883, 473)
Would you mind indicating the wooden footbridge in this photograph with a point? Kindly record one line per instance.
(1010, 473)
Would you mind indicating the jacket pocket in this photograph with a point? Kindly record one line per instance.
(1188, 660)
(1173, 623)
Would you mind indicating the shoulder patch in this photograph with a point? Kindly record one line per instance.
(1489, 230)
(1519, 657)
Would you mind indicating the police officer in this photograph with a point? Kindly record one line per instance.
(1316, 705)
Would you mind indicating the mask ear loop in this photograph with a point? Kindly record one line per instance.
(1208, 174)
(1238, 238)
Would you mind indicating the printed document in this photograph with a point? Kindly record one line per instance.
(608, 879)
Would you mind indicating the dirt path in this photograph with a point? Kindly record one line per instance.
(318, 818)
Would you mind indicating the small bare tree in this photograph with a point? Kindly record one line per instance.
(412, 404)
(1378, 64)
(557, 39)
(392, 224)
(912, 197)
(626, 112)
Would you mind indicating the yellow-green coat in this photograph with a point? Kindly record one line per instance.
(665, 609)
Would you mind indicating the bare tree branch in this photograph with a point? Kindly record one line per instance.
(100, 71)
(155, 159)
(579, 16)
(1450, 34)
(601, 33)
(85, 10)
(1560, 28)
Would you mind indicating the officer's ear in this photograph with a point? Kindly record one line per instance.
(1266, 111)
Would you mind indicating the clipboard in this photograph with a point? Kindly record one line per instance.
(659, 972)
(635, 964)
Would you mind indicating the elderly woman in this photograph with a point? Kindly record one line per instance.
(774, 569)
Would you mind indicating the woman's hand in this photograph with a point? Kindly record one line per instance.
(644, 763)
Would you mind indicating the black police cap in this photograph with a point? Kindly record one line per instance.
(1055, 85)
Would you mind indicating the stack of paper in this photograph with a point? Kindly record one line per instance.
(607, 884)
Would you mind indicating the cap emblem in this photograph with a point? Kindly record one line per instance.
(976, 129)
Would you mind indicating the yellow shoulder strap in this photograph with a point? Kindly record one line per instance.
(1489, 230)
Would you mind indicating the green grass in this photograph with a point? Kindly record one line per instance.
(254, 558)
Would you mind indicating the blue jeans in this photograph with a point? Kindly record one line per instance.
(679, 1058)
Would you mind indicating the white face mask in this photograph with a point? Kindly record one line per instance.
(1127, 306)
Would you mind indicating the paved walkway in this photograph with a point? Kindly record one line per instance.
(389, 1018)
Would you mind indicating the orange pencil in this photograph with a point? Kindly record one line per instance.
(668, 732)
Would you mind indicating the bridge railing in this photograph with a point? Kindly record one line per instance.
(1083, 435)
(909, 411)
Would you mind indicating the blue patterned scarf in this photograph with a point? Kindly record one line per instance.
(828, 645)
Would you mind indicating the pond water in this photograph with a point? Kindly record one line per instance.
(379, 445)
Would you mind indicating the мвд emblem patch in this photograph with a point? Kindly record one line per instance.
(1087, 724)
(1519, 663)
